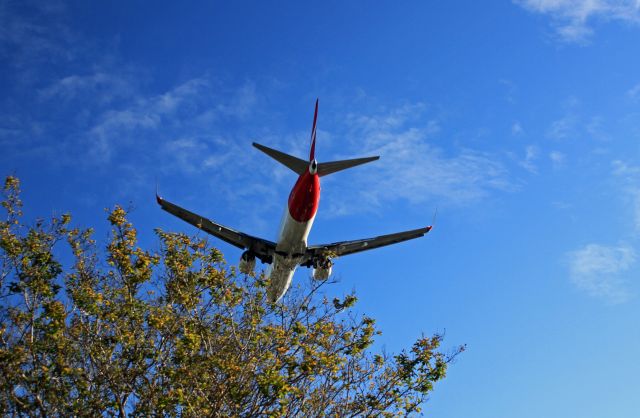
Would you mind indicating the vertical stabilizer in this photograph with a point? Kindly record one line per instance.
(312, 154)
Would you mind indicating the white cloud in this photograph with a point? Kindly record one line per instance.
(185, 154)
(412, 167)
(101, 85)
(575, 124)
(629, 176)
(636, 210)
(563, 128)
(634, 92)
(597, 270)
(557, 159)
(115, 127)
(516, 129)
(181, 96)
(199, 129)
(596, 129)
(242, 102)
(112, 119)
(572, 18)
(34, 33)
(628, 172)
(531, 154)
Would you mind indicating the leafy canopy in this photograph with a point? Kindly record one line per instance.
(127, 331)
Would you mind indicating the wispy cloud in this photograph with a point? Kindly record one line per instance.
(116, 126)
(531, 155)
(102, 85)
(575, 124)
(629, 176)
(634, 92)
(566, 126)
(200, 127)
(516, 129)
(573, 19)
(412, 167)
(107, 119)
(118, 116)
(596, 129)
(35, 32)
(242, 102)
(563, 128)
(598, 270)
(557, 159)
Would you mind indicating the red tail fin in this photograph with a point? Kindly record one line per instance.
(313, 134)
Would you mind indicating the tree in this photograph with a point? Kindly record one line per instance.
(126, 331)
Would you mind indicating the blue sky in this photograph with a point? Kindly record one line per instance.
(518, 120)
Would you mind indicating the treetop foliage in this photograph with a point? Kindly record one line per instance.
(177, 332)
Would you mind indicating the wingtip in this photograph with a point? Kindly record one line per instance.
(428, 229)
(158, 198)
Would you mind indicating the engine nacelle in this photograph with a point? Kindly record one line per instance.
(322, 268)
(247, 262)
(321, 273)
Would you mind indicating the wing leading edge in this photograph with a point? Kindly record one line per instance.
(262, 248)
(338, 249)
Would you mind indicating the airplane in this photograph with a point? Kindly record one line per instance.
(291, 249)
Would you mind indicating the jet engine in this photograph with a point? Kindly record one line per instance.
(247, 262)
(322, 268)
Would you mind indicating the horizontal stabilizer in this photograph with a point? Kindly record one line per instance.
(294, 163)
(333, 166)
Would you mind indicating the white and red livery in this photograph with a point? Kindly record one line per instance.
(291, 250)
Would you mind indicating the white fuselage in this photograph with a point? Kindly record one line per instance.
(291, 246)
(296, 223)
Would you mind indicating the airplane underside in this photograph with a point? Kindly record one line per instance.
(291, 249)
(280, 274)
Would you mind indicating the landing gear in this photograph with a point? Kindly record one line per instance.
(247, 262)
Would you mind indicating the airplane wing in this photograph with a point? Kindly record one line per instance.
(338, 249)
(262, 248)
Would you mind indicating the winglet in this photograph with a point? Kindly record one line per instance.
(433, 222)
(435, 215)
(312, 154)
(158, 198)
